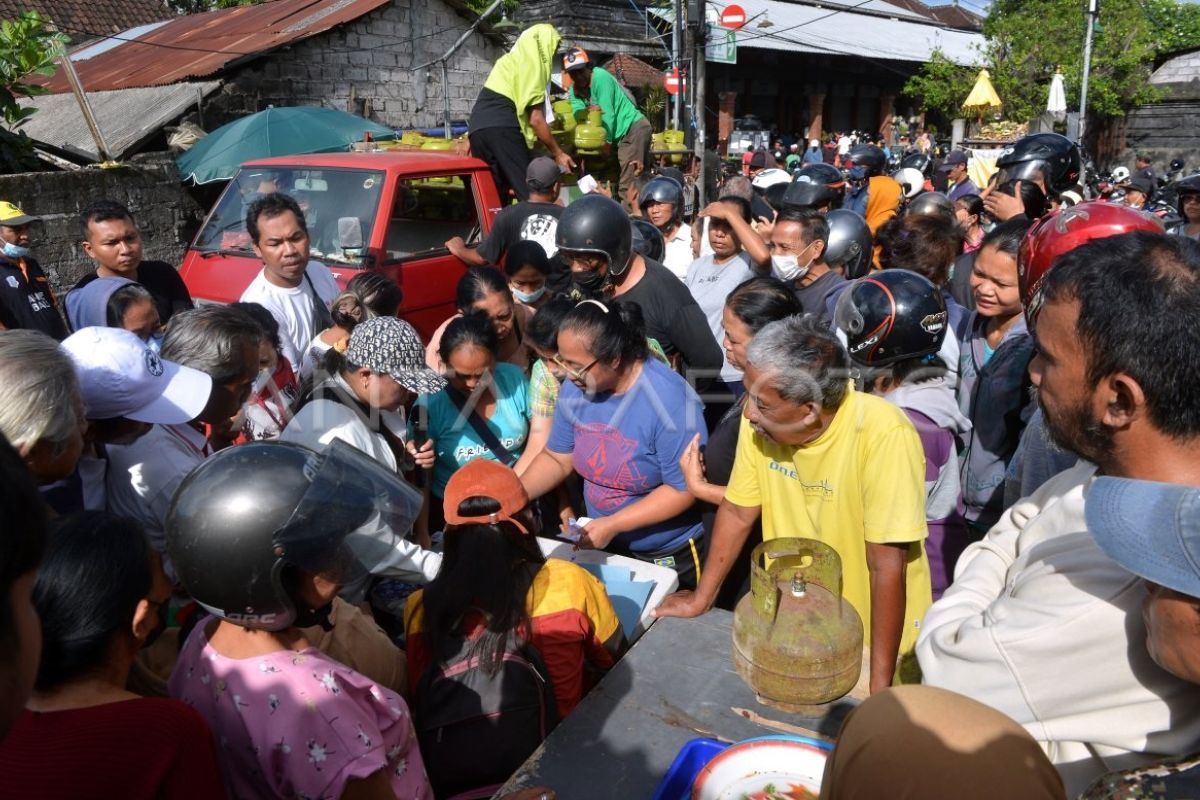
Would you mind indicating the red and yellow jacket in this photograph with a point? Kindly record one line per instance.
(575, 629)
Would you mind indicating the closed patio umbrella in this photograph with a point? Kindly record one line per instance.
(1056, 103)
(284, 131)
(983, 95)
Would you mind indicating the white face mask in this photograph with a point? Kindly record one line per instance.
(788, 267)
(528, 297)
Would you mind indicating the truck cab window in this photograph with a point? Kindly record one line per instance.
(428, 211)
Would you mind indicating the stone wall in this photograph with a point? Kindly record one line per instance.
(365, 67)
(1164, 131)
(167, 214)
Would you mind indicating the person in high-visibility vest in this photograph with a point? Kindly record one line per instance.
(509, 116)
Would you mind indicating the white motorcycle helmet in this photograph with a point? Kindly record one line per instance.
(770, 177)
(1120, 175)
(911, 180)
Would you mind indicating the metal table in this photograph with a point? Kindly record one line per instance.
(675, 684)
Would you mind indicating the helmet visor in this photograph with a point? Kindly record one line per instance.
(846, 315)
(350, 519)
(1024, 171)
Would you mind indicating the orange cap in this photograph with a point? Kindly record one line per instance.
(576, 58)
(485, 478)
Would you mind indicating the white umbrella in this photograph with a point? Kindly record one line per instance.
(1056, 104)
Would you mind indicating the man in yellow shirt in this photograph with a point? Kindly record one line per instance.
(817, 459)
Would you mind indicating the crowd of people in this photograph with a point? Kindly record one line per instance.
(288, 548)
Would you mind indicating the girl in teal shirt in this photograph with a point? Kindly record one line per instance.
(496, 393)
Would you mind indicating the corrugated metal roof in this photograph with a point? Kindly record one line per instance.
(127, 117)
(875, 29)
(200, 45)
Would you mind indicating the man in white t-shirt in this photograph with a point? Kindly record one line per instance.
(297, 291)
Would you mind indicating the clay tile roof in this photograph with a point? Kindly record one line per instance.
(952, 16)
(632, 71)
(86, 19)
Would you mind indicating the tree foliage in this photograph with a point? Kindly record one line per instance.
(196, 6)
(939, 87)
(27, 48)
(1025, 40)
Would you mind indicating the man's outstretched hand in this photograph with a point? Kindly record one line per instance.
(683, 604)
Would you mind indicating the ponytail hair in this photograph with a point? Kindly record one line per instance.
(368, 295)
(486, 569)
(470, 329)
(476, 284)
(542, 330)
(615, 329)
(759, 301)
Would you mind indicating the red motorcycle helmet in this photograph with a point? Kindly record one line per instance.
(1063, 231)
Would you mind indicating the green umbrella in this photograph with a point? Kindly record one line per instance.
(286, 131)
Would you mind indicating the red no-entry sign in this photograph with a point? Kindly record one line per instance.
(674, 82)
(733, 16)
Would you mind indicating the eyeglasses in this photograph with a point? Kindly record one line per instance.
(589, 260)
(574, 374)
(1190, 198)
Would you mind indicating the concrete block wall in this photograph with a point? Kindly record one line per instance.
(369, 59)
(166, 213)
(1165, 131)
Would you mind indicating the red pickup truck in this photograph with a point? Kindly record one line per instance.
(390, 211)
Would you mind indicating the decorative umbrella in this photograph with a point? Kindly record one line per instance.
(1056, 103)
(284, 131)
(982, 95)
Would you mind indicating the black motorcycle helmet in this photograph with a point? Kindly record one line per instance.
(662, 190)
(1189, 185)
(931, 204)
(1051, 154)
(870, 158)
(923, 162)
(891, 316)
(814, 186)
(849, 244)
(648, 240)
(596, 224)
(243, 521)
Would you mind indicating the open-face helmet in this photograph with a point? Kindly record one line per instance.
(596, 224)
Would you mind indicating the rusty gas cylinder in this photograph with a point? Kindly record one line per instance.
(796, 640)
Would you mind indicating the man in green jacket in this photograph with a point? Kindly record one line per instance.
(624, 124)
(509, 116)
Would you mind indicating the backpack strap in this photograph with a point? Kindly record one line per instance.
(479, 425)
(321, 318)
(336, 394)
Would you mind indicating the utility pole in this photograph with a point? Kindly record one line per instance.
(1093, 13)
(85, 107)
(677, 56)
(696, 84)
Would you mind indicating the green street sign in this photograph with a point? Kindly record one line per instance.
(721, 47)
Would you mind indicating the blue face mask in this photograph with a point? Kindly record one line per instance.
(15, 250)
(529, 297)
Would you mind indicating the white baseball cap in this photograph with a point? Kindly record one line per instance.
(120, 376)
